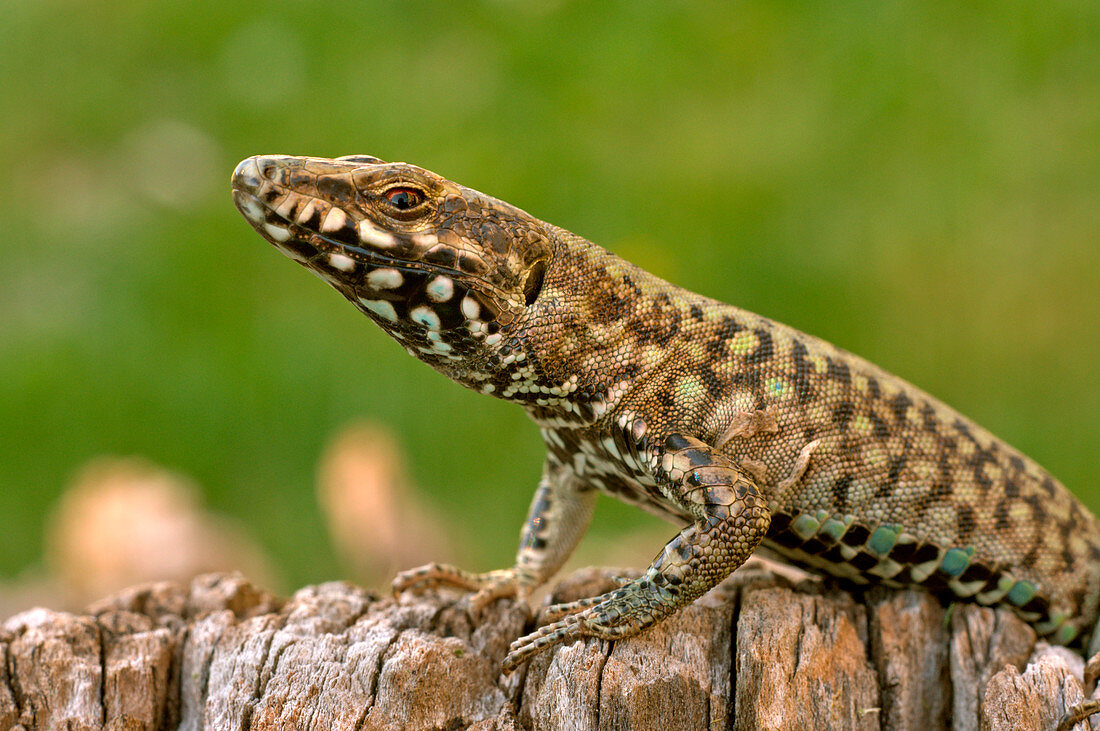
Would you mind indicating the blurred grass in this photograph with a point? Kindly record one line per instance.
(917, 182)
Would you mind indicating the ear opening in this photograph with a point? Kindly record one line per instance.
(533, 285)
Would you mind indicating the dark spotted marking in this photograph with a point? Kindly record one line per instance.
(442, 256)
(717, 350)
(977, 571)
(1038, 604)
(715, 384)
(764, 349)
(864, 561)
(874, 388)
(900, 405)
(939, 490)
(840, 488)
(930, 421)
(897, 464)
(843, 413)
(802, 387)
(882, 432)
(937, 582)
(728, 328)
(838, 371)
(903, 553)
(924, 553)
(964, 517)
(857, 535)
(813, 546)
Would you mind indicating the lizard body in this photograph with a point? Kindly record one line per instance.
(746, 431)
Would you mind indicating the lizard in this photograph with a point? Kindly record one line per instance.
(747, 433)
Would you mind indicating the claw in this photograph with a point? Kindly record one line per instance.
(544, 637)
(604, 617)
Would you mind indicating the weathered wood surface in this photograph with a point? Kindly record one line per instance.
(758, 652)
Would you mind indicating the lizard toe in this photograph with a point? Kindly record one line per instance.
(556, 611)
(488, 594)
(427, 575)
(541, 639)
(606, 617)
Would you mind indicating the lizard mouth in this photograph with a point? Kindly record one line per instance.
(278, 231)
(335, 261)
(319, 234)
(397, 277)
(291, 221)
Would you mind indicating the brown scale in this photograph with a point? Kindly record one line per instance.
(739, 428)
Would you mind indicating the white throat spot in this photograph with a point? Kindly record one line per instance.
(471, 310)
(276, 233)
(425, 316)
(382, 308)
(343, 262)
(385, 278)
(440, 289)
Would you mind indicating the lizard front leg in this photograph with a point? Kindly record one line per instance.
(731, 518)
(558, 517)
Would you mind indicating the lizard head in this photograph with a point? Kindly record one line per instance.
(443, 269)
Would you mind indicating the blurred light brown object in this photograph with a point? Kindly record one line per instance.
(128, 521)
(377, 522)
(31, 589)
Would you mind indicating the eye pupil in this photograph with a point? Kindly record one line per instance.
(403, 198)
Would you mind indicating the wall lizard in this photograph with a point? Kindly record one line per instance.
(745, 431)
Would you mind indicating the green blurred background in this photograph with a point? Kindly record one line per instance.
(918, 182)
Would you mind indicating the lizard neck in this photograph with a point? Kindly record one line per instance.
(598, 327)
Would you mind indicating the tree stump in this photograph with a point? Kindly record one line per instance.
(757, 652)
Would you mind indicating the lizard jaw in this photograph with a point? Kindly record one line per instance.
(331, 242)
(424, 304)
(255, 197)
(314, 229)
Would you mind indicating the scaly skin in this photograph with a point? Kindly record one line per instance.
(747, 432)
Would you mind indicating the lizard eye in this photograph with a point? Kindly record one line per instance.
(404, 199)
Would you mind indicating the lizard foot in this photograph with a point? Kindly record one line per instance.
(487, 587)
(1081, 711)
(620, 613)
(1077, 714)
(557, 611)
